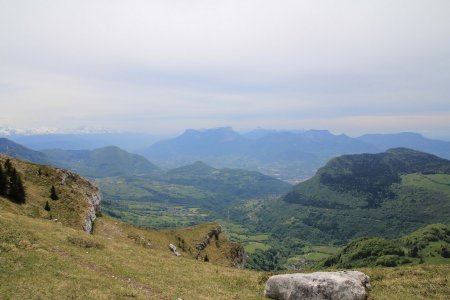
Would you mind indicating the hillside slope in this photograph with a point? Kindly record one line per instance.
(430, 244)
(49, 237)
(387, 194)
(41, 259)
(10, 148)
(78, 200)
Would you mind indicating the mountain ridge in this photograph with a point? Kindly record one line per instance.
(287, 155)
(410, 140)
(16, 150)
(383, 194)
(101, 162)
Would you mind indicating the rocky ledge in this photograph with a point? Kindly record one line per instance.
(88, 191)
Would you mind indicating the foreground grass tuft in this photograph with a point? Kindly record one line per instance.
(415, 282)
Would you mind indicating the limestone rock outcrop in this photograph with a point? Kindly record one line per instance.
(237, 255)
(344, 285)
(88, 192)
(94, 197)
(206, 240)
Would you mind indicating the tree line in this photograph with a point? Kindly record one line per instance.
(11, 185)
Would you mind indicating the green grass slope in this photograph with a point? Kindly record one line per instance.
(42, 259)
(72, 205)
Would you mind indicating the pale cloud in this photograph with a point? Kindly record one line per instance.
(168, 65)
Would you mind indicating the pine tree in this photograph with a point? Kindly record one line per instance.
(8, 167)
(3, 182)
(53, 194)
(16, 189)
(47, 206)
(20, 195)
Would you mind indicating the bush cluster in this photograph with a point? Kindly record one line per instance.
(84, 243)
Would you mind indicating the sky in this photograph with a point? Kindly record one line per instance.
(349, 66)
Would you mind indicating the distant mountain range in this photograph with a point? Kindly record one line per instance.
(13, 149)
(289, 155)
(292, 156)
(409, 140)
(84, 141)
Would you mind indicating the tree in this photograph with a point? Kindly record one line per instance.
(53, 194)
(445, 252)
(16, 189)
(8, 167)
(3, 182)
(47, 206)
(414, 252)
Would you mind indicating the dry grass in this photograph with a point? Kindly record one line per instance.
(71, 207)
(37, 261)
(417, 282)
(42, 263)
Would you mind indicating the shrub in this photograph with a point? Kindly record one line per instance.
(84, 243)
(445, 252)
(388, 261)
(53, 194)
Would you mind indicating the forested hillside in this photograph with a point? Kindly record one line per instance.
(386, 194)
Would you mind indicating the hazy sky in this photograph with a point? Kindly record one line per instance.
(163, 66)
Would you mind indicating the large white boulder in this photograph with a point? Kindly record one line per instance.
(344, 285)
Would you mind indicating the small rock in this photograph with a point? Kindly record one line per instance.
(172, 247)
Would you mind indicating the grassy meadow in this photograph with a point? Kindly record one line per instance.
(42, 259)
